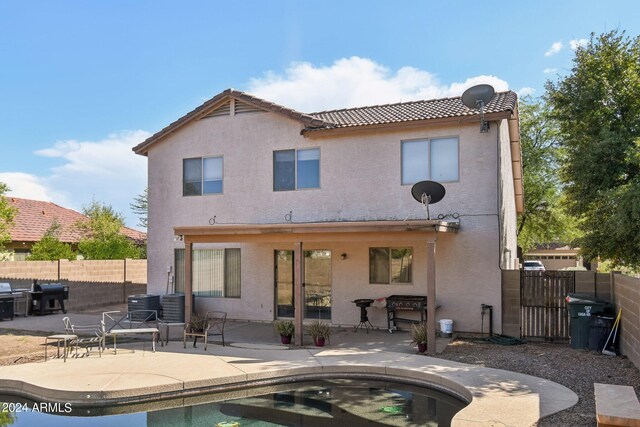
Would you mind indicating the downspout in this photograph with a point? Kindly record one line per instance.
(499, 193)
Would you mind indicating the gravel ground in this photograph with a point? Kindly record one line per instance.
(575, 369)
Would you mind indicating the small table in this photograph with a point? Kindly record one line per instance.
(65, 339)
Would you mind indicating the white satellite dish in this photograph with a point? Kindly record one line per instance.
(477, 97)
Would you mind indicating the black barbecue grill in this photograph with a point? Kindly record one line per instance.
(404, 303)
(44, 297)
(363, 303)
(7, 299)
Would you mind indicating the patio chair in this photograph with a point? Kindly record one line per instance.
(95, 335)
(197, 327)
(217, 319)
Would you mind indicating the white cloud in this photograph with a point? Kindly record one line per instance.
(354, 82)
(525, 91)
(555, 48)
(549, 70)
(107, 171)
(576, 43)
(26, 186)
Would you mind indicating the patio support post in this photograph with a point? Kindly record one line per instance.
(298, 274)
(188, 287)
(431, 297)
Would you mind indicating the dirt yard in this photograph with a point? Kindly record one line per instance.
(16, 347)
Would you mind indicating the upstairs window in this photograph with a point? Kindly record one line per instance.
(434, 159)
(202, 175)
(296, 169)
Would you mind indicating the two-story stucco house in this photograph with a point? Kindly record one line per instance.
(265, 212)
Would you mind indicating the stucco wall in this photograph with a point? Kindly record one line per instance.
(507, 204)
(360, 180)
(458, 293)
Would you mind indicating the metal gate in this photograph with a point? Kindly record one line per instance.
(543, 306)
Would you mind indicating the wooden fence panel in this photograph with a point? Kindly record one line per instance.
(543, 305)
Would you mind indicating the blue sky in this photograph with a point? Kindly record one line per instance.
(83, 82)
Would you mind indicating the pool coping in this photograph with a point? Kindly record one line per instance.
(495, 396)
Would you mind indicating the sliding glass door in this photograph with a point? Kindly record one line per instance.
(316, 289)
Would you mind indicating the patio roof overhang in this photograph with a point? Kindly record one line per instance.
(299, 233)
(313, 231)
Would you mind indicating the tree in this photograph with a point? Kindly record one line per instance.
(598, 108)
(545, 219)
(140, 207)
(50, 248)
(7, 213)
(102, 234)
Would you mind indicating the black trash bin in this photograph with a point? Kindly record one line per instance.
(581, 307)
(600, 326)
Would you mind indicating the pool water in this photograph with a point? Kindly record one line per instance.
(334, 403)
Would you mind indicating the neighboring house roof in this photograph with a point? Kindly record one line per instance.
(555, 246)
(34, 217)
(413, 111)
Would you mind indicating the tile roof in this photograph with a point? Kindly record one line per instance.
(412, 111)
(502, 102)
(34, 217)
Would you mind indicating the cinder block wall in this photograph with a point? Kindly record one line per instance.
(83, 295)
(627, 297)
(595, 284)
(511, 302)
(103, 271)
(41, 270)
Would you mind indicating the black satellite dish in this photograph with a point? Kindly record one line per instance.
(427, 193)
(477, 97)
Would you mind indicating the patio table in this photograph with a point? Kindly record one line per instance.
(65, 339)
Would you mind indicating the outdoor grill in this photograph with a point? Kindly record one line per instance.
(45, 296)
(404, 303)
(7, 299)
(363, 303)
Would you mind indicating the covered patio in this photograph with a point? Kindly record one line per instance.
(297, 235)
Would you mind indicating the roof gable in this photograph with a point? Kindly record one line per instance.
(220, 104)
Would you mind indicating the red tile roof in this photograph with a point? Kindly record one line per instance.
(34, 217)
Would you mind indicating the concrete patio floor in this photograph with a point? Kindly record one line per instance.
(254, 356)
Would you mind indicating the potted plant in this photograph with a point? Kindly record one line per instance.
(419, 336)
(319, 331)
(286, 329)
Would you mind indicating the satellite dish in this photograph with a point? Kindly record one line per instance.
(476, 97)
(427, 192)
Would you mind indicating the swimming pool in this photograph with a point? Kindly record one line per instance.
(329, 402)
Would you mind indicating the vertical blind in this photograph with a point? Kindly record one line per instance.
(215, 272)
